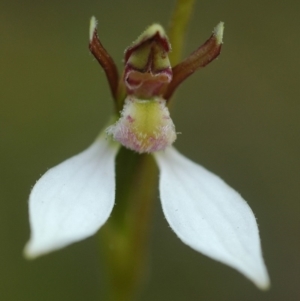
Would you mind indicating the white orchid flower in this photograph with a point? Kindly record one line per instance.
(73, 200)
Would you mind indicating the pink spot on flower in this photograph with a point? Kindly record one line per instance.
(130, 119)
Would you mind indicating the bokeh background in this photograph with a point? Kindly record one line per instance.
(239, 117)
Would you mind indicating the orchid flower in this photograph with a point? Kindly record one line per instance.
(73, 200)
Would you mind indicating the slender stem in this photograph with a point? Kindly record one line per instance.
(126, 234)
(179, 21)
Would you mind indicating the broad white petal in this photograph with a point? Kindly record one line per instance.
(72, 200)
(209, 216)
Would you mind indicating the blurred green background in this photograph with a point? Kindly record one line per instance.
(239, 117)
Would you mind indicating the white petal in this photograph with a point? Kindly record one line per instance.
(72, 200)
(209, 216)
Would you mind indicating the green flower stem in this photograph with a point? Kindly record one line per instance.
(179, 21)
(125, 236)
